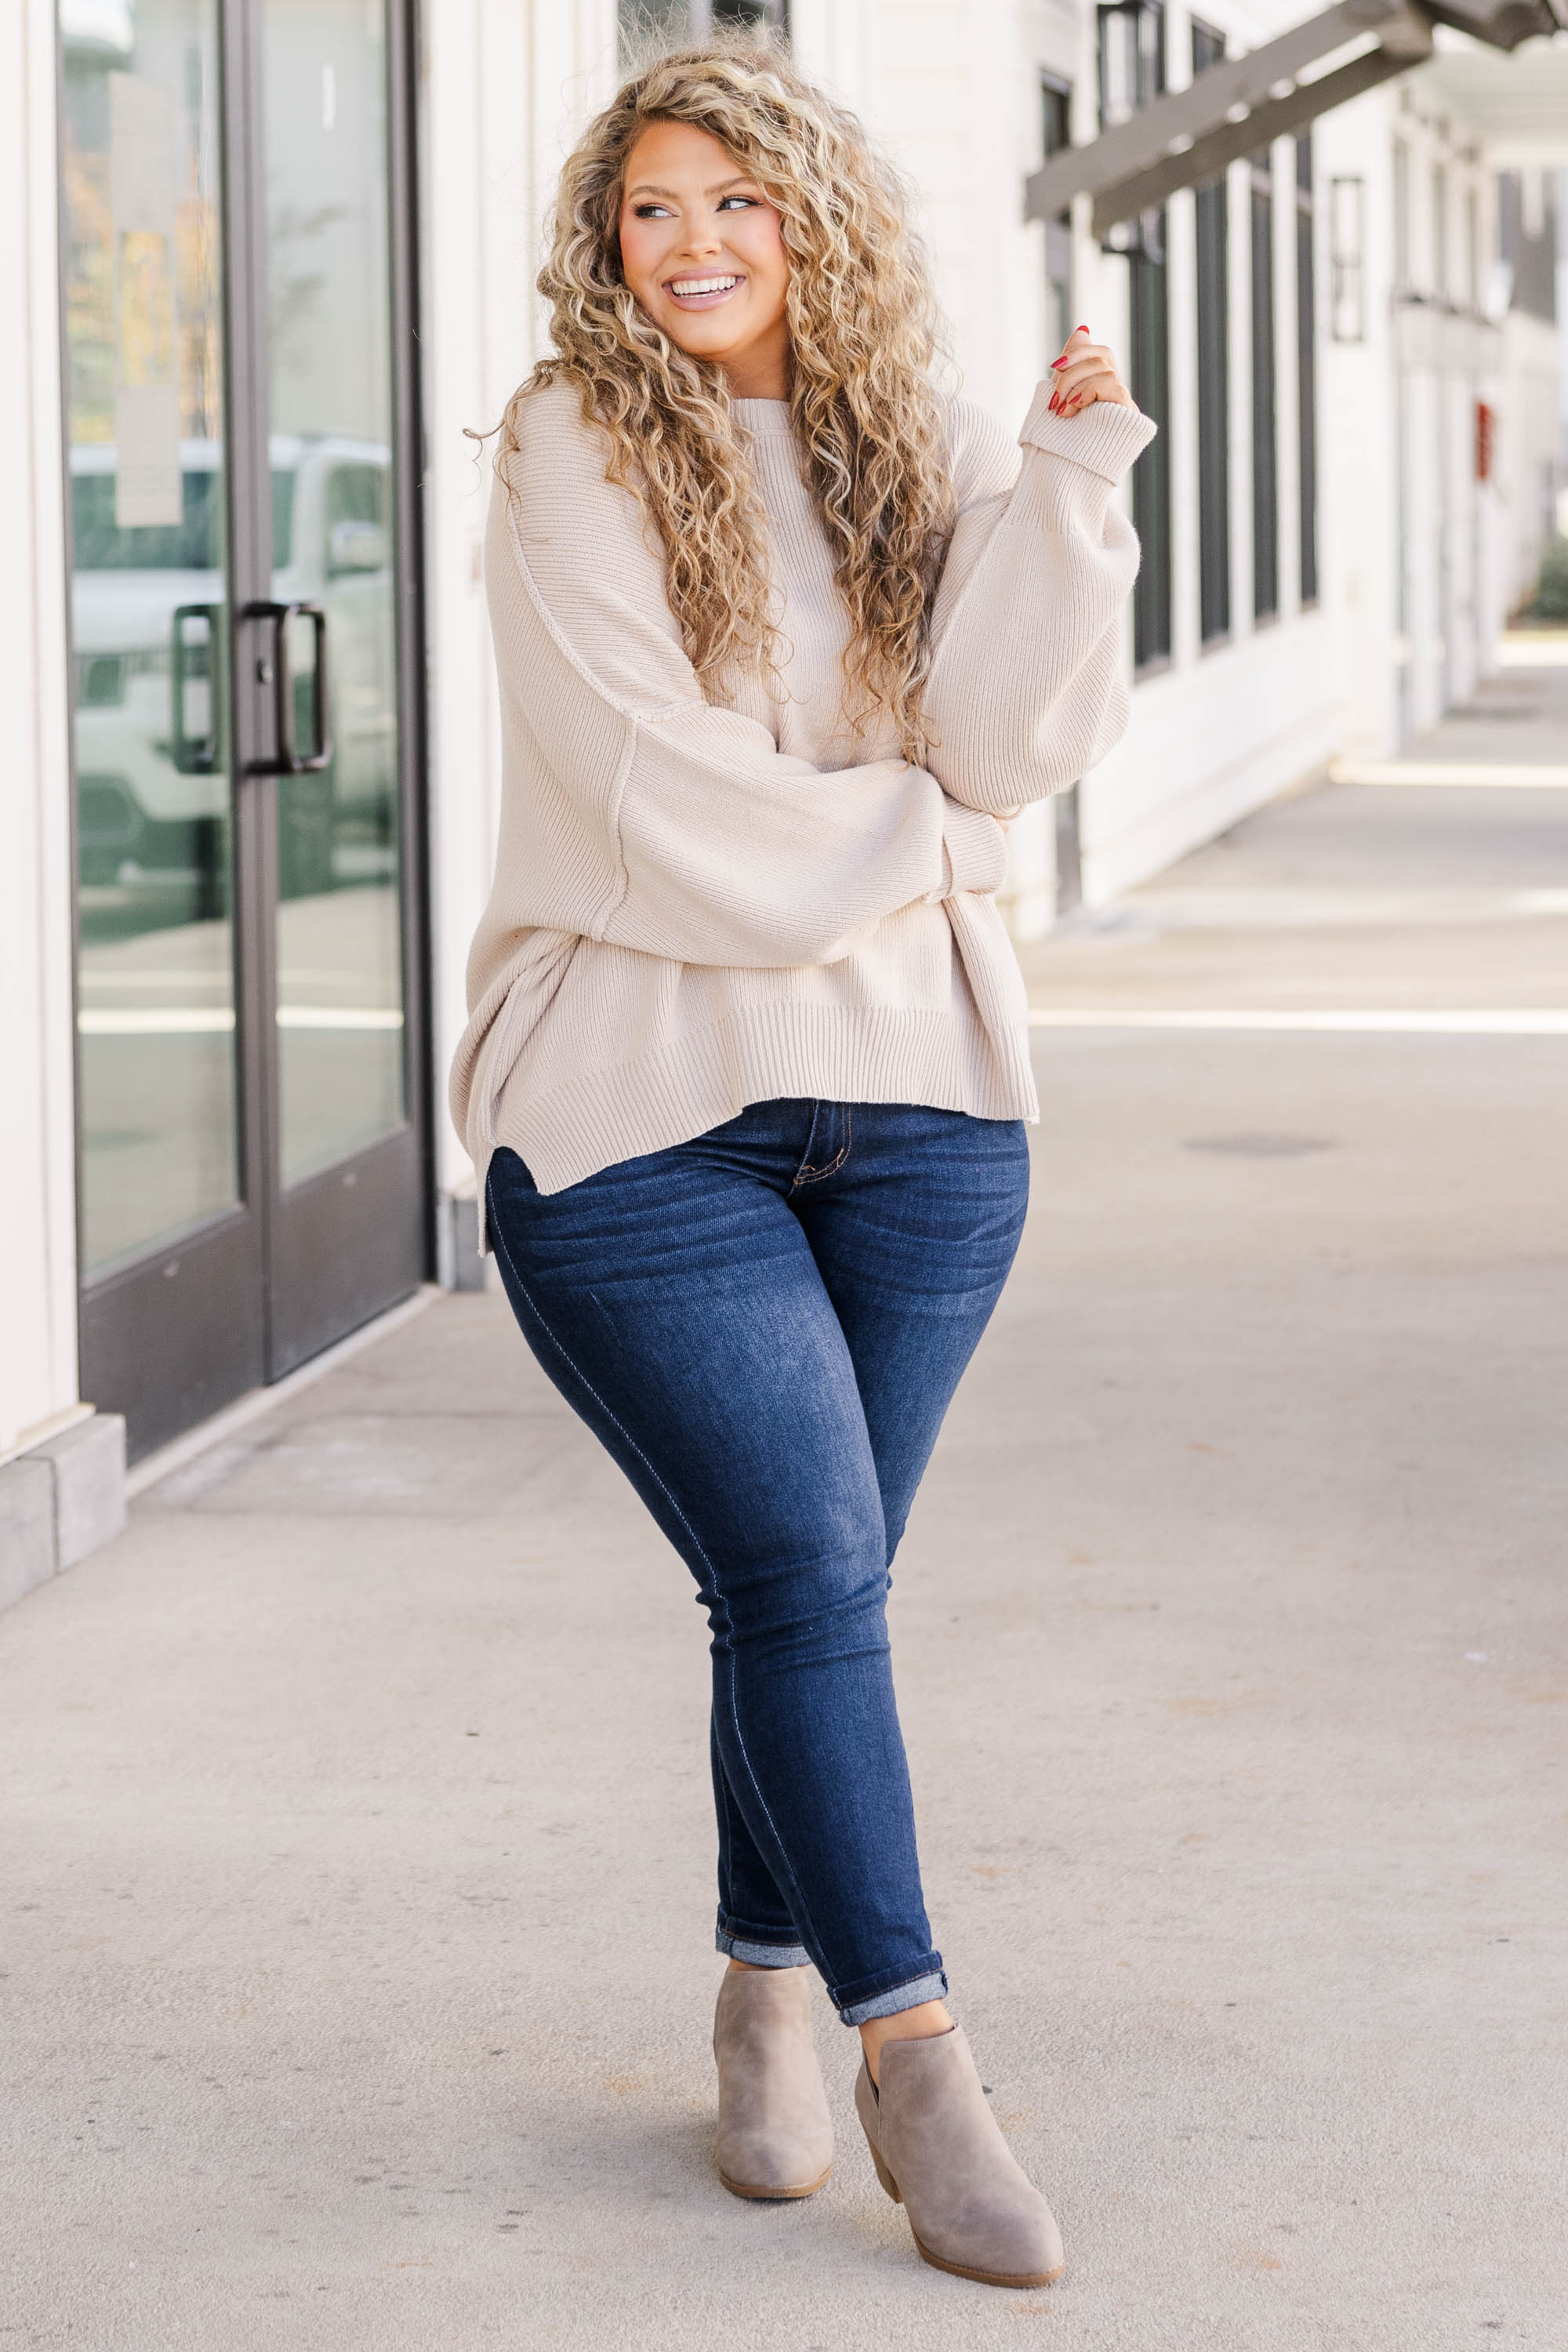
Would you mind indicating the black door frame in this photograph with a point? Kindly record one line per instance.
(192, 1323)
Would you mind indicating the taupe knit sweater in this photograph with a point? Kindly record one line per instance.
(699, 905)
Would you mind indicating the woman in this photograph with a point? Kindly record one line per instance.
(783, 639)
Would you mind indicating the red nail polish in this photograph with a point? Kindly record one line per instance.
(1080, 330)
(1061, 362)
(1051, 404)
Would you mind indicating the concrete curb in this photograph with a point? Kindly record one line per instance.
(59, 1501)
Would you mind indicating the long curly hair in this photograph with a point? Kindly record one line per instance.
(864, 333)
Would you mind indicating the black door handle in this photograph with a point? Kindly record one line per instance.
(196, 755)
(289, 759)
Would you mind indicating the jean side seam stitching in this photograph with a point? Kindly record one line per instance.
(727, 1811)
(722, 1810)
(722, 1597)
(751, 1771)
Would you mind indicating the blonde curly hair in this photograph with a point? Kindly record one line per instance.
(864, 335)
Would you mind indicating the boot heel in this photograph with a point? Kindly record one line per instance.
(883, 2175)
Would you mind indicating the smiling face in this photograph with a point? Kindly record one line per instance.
(703, 251)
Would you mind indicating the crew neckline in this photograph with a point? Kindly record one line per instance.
(764, 416)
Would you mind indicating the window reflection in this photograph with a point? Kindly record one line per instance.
(143, 303)
(339, 998)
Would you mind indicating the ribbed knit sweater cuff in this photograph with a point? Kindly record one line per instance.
(1105, 439)
(976, 849)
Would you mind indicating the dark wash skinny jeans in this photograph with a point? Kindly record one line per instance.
(764, 1327)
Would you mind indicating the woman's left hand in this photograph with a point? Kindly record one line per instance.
(1086, 372)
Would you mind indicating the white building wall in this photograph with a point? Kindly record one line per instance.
(1187, 391)
(37, 1176)
(1219, 730)
(506, 85)
(1529, 465)
(1358, 438)
(951, 92)
(834, 40)
(1430, 560)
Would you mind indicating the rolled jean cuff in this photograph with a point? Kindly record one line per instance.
(737, 1945)
(897, 1996)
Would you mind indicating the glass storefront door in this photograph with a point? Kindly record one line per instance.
(340, 977)
(243, 611)
(148, 507)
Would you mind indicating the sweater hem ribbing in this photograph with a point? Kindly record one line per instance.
(657, 1099)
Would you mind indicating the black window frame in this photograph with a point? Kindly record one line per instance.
(1211, 213)
(1307, 369)
(1131, 35)
(1055, 130)
(1135, 28)
(644, 28)
(1149, 309)
(1265, 420)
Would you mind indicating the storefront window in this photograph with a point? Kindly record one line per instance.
(148, 477)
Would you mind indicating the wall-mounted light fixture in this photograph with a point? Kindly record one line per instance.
(1347, 260)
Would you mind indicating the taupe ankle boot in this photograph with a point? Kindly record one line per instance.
(939, 2153)
(775, 2136)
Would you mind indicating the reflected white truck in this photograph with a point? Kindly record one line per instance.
(152, 748)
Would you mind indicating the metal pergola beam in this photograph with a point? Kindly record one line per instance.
(1239, 105)
(1148, 136)
(1503, 23)
(1208, 157)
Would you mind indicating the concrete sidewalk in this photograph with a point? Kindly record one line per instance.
(359, 1878)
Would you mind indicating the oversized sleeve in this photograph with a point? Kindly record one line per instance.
(718, 848)
(1026, 688)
